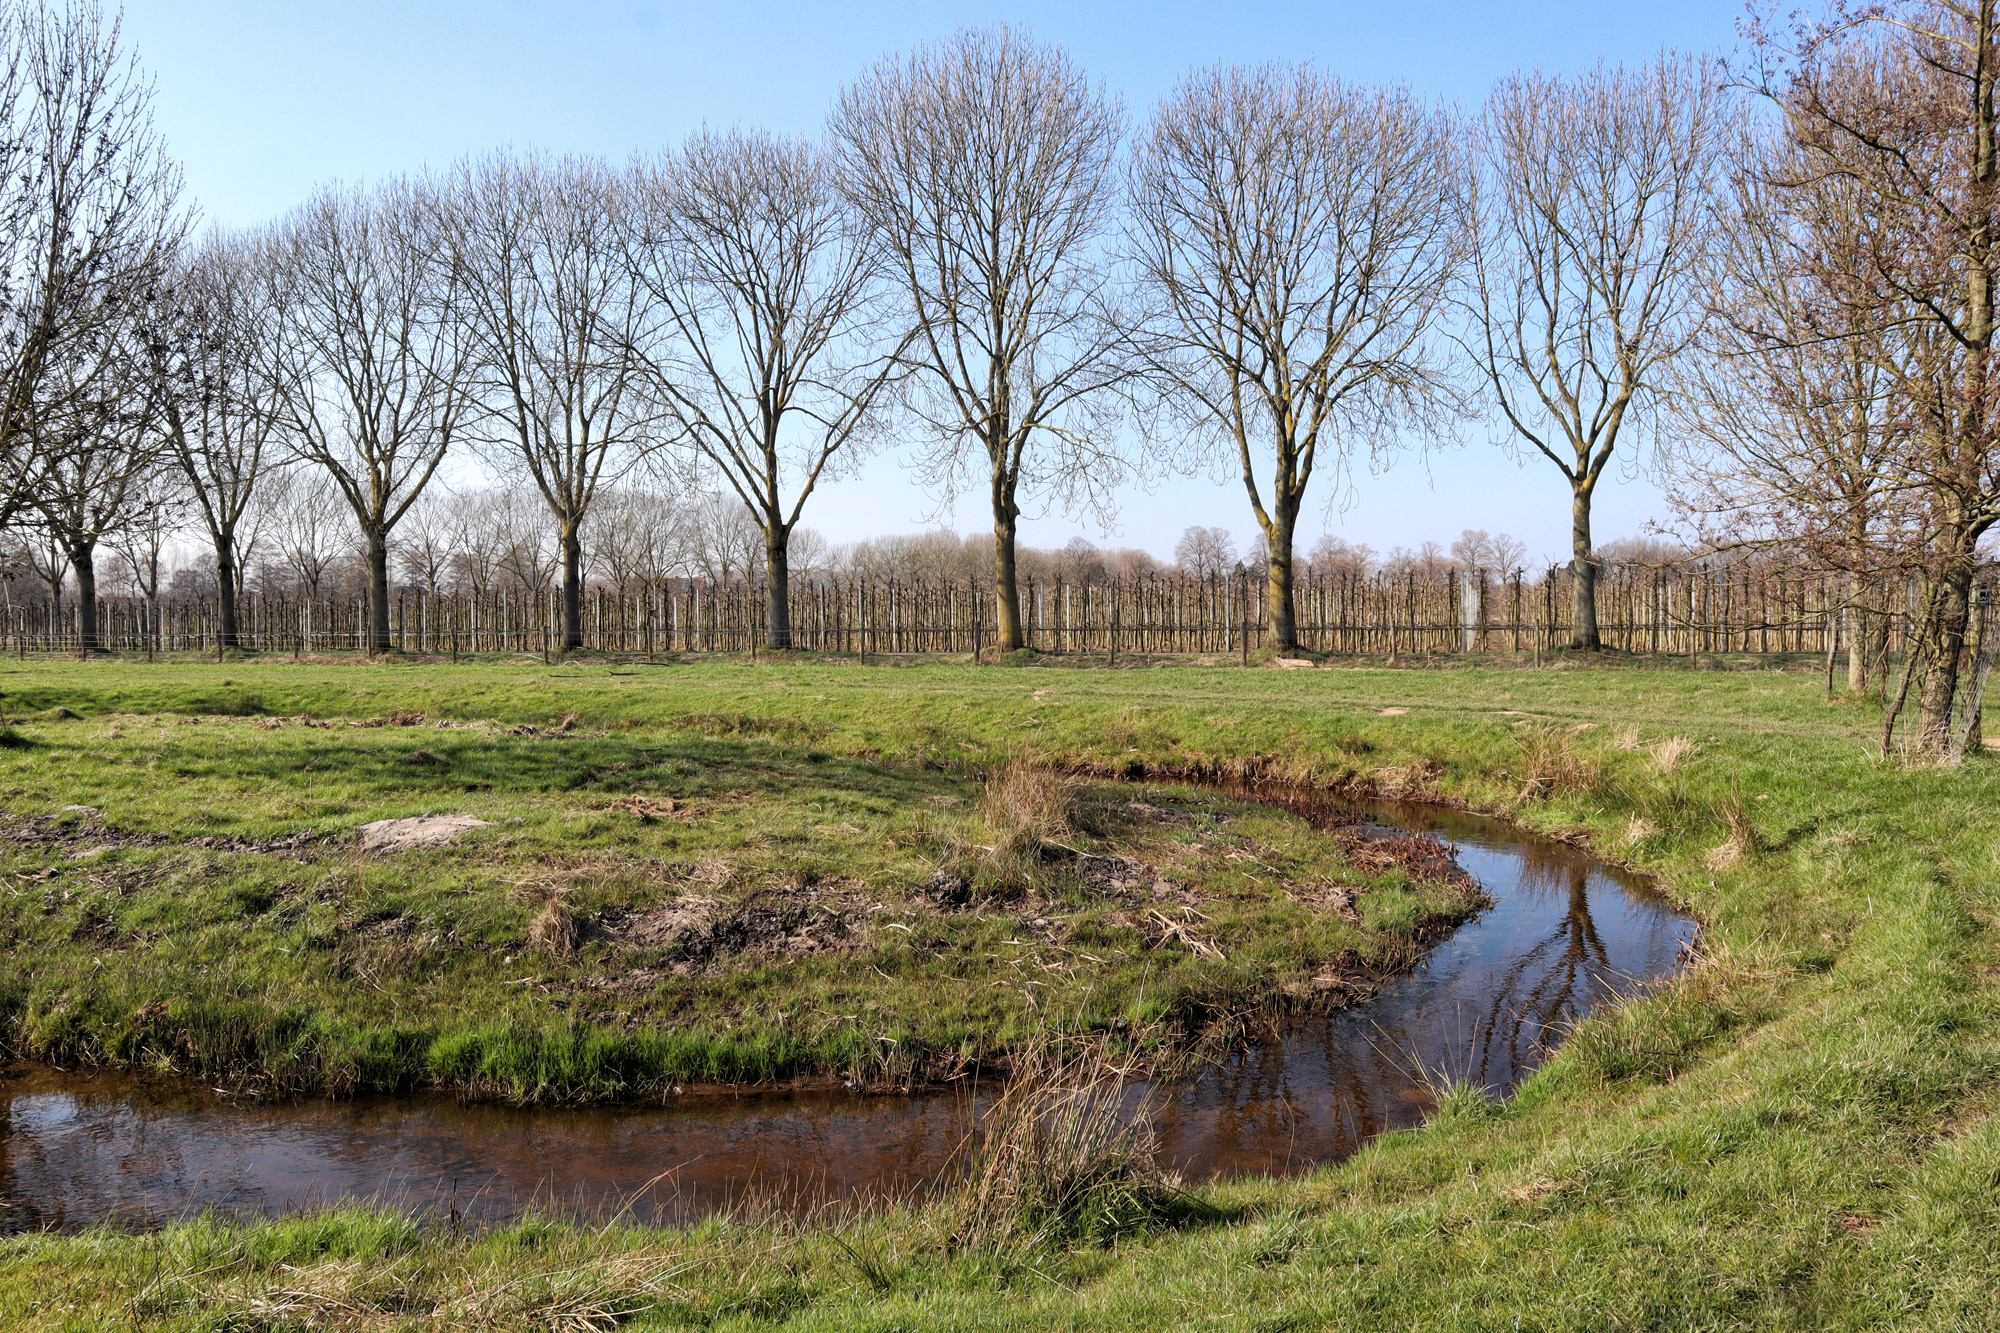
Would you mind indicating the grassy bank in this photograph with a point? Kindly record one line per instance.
(1798, 1134)
(735, 878)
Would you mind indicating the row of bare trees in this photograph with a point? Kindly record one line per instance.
(1782, 266)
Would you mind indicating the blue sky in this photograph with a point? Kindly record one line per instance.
(261, 101)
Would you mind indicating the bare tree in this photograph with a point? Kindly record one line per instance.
(985, 167)
(308, 522)
(89, 223)
(1205, 552)
(1331, 554)
(1295, 238)
(93, 489)
(426, 541)
(1898, 102)
(219, 410)
(368, 356)
(159, 512)
(770, 284)
(556, 316)
(721, 540)
(1594, 221)
(635, 536)
(1796, 440)
(1500, 555)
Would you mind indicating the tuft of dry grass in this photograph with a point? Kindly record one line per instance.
(1064, 1154)
(554, 929)
(1553, 763)
(1669, 752)
(1742, 842)
(1025, 806)
(1625, 738)
(1639, 828)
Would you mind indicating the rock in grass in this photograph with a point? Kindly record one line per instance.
(400, 835)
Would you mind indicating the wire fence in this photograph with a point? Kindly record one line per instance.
(1641, 609)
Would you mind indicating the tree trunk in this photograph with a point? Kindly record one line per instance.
(1006, 591)
(1980, 663)
(1282, 613)
(378, 592)
(1856, 628)
(227, 584)
(83, 560)
(1947, 636)
(572, 586)
(778, 573)
(1583, 611)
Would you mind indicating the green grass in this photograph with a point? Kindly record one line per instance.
(1798, 1134)
(320, 970)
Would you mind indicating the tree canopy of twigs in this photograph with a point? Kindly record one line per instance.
(1594, 218)
(1294, 239)
(776, 354)
(984, 166)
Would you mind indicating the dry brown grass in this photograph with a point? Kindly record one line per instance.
(1625, 738)
(554, 929)
(1669, 752)
(1064, 1153)
(1025, 806)
(1742, 841)
(1553, 762)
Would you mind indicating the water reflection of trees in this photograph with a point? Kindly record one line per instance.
(1485, 1010)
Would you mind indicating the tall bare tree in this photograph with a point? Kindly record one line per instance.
(218, 407)
(556, 317)
(159, 509)
(1898, 101)
(369, 355)
(1796, 440)
(1295, 238)
(1205, 552)
(1595, 214)
(985, 165)
(94, 488)
(89, 224)
(777, 362)
(308, 522)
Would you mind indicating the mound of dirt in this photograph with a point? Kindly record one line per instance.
(945, 891)
(402, 835)
(81, 825)
(1418, 855)
(1119, 877)
(696, 933)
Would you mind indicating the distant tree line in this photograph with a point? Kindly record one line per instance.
(1773, 275)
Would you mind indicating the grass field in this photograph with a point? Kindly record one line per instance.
(1798, 1134)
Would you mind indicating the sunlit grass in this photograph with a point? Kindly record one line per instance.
(1797, 1134)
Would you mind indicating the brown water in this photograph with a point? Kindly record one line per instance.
(1563, 936)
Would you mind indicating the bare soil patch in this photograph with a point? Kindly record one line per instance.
(83, 829)
(402, 835)
(693, 934)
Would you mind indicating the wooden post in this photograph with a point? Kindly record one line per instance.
(1244, 602)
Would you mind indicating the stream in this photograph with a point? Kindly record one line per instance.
(1564, 935)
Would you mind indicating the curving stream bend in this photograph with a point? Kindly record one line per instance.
(1564, 935)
